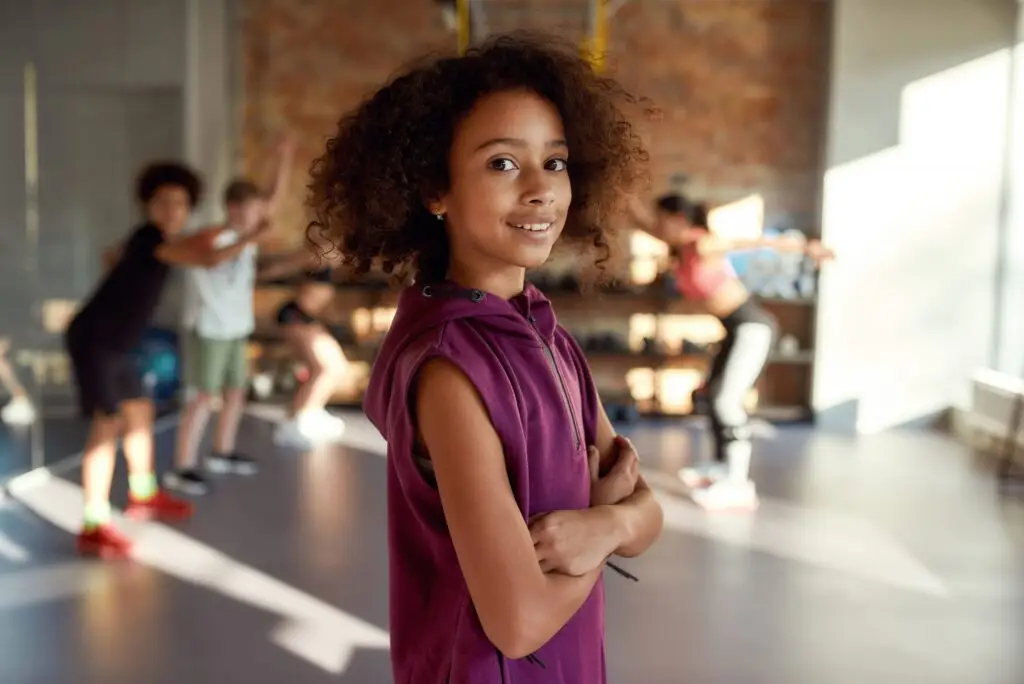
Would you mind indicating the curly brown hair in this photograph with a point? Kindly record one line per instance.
(390, 155)
(158, 174)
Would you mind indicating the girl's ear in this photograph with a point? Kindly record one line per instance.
(436, 201)
(437, 207)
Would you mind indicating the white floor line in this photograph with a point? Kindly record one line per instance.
(813, 536)
(13, 552)
(319, 633)
(36, 585)
(72, 461)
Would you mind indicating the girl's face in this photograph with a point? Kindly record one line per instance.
(509, 191)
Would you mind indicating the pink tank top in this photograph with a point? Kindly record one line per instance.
(696, 279)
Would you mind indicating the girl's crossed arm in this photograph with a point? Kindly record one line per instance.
(638, 518)
(624, 517)
(520, 607)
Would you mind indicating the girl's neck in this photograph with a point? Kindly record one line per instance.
(506, 283)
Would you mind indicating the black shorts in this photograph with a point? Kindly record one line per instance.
(749, 312)
(291, 312)
(105, 377)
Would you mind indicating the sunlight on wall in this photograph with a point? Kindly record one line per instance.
(906, 310)
(1011, 324)
(742, 219)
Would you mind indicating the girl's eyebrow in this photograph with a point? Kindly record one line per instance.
(518, 142)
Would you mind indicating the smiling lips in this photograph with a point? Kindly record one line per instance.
(534, 225)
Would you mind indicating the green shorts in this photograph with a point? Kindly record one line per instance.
(213, 366)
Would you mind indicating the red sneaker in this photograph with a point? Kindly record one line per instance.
(161, 505)
(104, 541)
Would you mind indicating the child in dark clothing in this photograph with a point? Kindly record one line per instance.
(507, 486)
(101, 338)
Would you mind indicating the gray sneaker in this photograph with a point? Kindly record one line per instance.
(189, 482)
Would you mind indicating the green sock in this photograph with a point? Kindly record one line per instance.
(142, 486)
(96, 514)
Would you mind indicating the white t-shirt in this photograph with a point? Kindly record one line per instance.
(218, 300)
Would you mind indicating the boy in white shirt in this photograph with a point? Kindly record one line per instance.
(218, 320)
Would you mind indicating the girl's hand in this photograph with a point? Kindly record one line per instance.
(573, 542)
(620, 481)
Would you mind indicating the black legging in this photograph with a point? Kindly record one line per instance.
(749, 336)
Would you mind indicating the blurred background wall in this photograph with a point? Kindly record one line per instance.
(889, 128)
(706, 64)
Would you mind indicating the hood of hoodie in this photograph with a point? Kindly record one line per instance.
(525, 319)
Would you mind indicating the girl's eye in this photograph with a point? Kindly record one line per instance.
(503, 165)
(557, 165)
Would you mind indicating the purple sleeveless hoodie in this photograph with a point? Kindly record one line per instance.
(535, 383)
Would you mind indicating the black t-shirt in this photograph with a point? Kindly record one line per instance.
(120, 309)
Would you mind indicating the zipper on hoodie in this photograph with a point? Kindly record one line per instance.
(550, 355)
(501, 667)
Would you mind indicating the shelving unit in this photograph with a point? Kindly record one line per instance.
(660, 383)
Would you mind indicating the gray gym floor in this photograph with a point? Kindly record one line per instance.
(888, 559)
(25, 447)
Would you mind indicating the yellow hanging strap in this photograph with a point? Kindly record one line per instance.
(596, 42)
(462, 14)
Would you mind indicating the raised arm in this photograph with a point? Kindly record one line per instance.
(287, 265)
(520, 607)
(714, 245)
(285, 154)
(196, 250)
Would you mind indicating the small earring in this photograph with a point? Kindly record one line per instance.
(440, 217)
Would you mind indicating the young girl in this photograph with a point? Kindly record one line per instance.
(704, 274)
(507, 487)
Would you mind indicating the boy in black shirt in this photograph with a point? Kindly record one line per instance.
(100, 341)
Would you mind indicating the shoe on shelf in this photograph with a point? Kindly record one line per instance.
(160, 506)
(189, 481)
(104, 541)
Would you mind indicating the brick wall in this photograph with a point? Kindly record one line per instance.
(305, 63)
(742, 83)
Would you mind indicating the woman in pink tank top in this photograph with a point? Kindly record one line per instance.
(703, 273)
